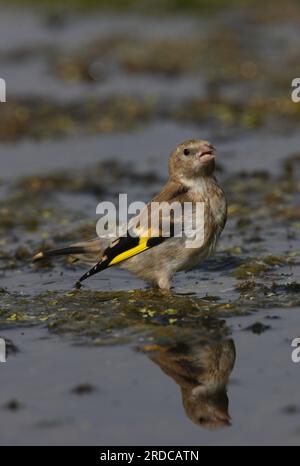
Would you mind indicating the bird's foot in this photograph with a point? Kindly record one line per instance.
(164, 284)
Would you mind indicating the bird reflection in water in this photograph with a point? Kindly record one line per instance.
(202, 370)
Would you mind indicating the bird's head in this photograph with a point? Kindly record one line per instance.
(192, 159)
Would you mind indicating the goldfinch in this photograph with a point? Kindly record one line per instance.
(201, 369)
(147, 251)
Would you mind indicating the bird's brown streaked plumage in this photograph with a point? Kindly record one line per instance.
(151, 255)
(201, 368)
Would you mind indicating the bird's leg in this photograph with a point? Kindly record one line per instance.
(164, 283)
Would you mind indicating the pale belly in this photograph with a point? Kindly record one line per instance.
(168, 258)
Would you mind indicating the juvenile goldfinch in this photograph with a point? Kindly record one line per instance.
(149, 253)
(201, 369)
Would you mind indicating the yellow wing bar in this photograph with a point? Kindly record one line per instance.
(142, 246)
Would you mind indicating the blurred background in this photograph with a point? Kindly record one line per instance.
(98, 95)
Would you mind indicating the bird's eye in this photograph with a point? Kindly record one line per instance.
(202, 420)
(186, 151)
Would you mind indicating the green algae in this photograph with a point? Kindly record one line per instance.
(114, 317)
(41, 119)
(105, 318)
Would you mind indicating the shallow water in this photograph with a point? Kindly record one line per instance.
(129, 400)
(116, 363)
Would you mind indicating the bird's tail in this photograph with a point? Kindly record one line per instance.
(71, 250)
(87, 251)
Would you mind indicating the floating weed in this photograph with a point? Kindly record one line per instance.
(40, 119)
(246, 286)
(259, 267)
(172, 321)
(274, 261)
(107, 316)
(292, 287)
(252, 269)
(118, 317)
